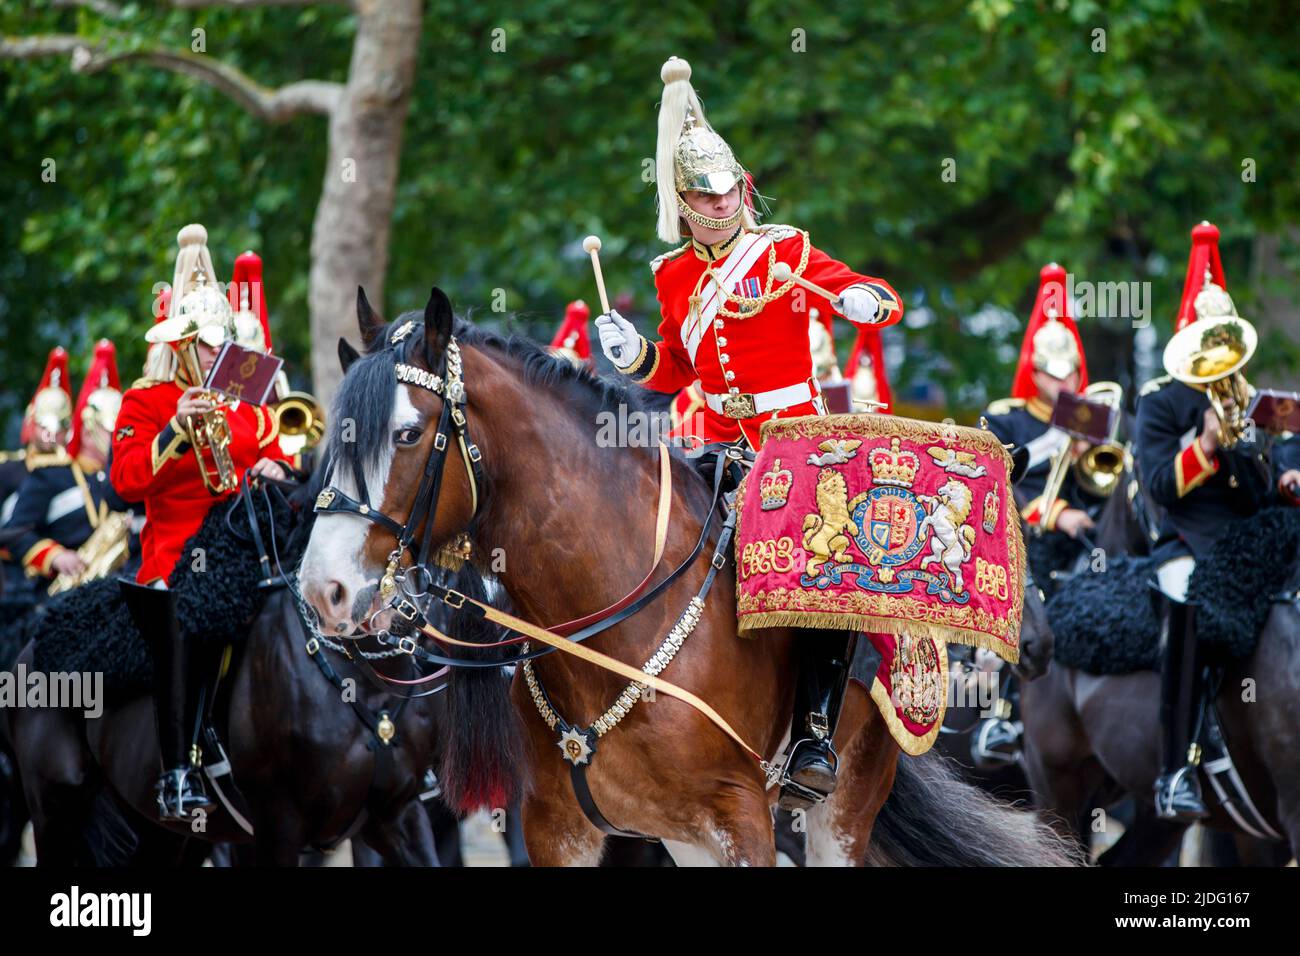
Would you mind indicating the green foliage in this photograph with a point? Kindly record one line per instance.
(1102, 161)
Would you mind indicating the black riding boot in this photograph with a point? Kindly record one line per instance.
(823, 677)
(178, 692)
(1178, 792)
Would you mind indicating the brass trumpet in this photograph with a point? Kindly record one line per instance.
(1211, 352)
(300, 421)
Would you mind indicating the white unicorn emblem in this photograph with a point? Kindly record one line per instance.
(953, 538)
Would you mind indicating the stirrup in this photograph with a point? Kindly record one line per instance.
(181, 794)
(997, 742)
(1178, 796)
(795, 795)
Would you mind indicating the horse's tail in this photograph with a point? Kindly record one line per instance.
(481, 750)
(933, 817)
(967, 538)
(109, 839)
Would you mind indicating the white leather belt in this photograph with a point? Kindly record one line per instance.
(749, 404)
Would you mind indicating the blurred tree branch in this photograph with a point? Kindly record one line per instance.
(271, 105)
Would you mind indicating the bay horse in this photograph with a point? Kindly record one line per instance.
(567, 522)
(1092, 740)
(307, 766)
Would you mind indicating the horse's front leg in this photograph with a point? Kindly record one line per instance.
(555, 831)
(736, 831)
(839, 829)
(404, 839)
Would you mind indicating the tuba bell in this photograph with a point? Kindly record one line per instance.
(1210, 354)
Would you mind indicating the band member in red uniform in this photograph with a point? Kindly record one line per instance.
(157, 460)
(727, 321)
(571, 340)
(730, 324)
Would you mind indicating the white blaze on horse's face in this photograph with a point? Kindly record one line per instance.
(337, 578)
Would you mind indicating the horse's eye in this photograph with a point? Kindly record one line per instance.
(406, 436)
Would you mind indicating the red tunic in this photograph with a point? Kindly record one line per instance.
(762, 352)
(154, 462)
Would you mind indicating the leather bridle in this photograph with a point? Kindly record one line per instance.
(448, 384)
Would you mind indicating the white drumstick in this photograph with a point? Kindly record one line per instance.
(591, 246)
(782, 272)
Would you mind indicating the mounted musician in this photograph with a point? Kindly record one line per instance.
(66, 498)
(731, 325)
(180, 451)
(1052, 361)
(1197, 459)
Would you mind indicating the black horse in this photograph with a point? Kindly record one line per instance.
(311, 768)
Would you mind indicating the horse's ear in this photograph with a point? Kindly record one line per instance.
(368, 320)
(347, 354)
(437, 325)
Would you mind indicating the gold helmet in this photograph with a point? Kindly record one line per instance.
(198, 307)
(98, 402)
(691, 156)
(1055, 351)
(51, 406)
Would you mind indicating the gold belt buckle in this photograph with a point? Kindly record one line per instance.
(739, 406)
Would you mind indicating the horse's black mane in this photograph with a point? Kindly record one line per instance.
(550, 371)
(364, 402)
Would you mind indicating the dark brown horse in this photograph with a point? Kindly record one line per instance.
(568, 525)
(1091, 741)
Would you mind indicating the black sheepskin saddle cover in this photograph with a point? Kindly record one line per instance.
(90, 628)
(1234, 586)
(1107, 623)
(1051, 552)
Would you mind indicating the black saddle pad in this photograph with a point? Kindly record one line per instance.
(90, 629)
(1105, 622)
(1234, 586)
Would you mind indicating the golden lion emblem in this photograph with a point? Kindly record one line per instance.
(824, 534)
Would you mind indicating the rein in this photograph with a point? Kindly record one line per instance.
(402, 593)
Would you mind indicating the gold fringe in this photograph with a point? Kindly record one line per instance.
(871, 624)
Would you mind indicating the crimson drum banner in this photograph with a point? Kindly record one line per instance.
(901, 529)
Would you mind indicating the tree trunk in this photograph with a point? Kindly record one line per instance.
(350, 234)
(1274, 281)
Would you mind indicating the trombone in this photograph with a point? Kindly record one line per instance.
(1100, 467)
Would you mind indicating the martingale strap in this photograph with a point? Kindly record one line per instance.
(582, 652)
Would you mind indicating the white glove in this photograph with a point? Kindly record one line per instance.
(619, 339)
(858, 305)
